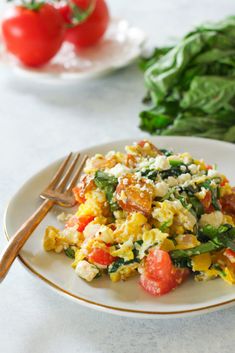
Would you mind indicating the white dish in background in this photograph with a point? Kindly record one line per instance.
(120, 46)
(123, 298)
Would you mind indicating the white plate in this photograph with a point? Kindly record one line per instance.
(120, 46)
(124, 298)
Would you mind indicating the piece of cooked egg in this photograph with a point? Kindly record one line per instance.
(214, 219)
(161, 189)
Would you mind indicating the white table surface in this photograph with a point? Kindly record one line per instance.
(39, 124)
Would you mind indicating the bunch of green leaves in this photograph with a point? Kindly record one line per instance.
(115, 266)
(191, 86)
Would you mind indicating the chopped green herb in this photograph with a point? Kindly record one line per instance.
(150, 174)
(196, 205)
(108, 184)
(70, 253)
(223, 236)
(167, 153)
(163, 227)
(175, 163)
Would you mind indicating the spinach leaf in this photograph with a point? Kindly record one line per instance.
(200, 249)
(167, 153)
(182, 262)
(223, 236)
(214, 194)
(70, 253)
(108, 184)
(174, 171)
(196, 205)
(114, 267)
(147, 61)
(150, 174)
(175, 163)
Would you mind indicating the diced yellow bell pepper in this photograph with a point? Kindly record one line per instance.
(201, 262)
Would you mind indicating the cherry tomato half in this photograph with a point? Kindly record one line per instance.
(158, 264)
(81, 222)
(101, 257)
(160, 276)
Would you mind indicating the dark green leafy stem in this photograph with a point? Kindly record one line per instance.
(70, 253)
(175, 163)
(117, 264)
(223, 236)
(108, 184)
(121, 262)
(174, 171)
(200, 249)
(214, 194)
(216, 239)
(150, 174)
(182, 262)
(196, 205)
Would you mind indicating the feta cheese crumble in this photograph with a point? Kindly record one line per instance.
(86, 270)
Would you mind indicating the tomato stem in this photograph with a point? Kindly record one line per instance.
(33, 5)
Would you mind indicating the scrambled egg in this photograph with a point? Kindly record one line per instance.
(119, 231)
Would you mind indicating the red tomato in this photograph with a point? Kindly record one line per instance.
(154, 287)
(81, 222)
(208, 166)
(158, 264)
(91, 30)
(101, 257)
(33, 36)
(161, 286)
(206, 202)
(160, 276)
(230, 254)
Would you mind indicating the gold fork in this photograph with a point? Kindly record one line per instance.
(59, 191)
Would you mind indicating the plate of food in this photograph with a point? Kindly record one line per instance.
(152, 234)
(82, 41)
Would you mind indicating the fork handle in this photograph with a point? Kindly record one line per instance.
(21, 236)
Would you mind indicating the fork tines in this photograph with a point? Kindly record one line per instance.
(65, 179)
